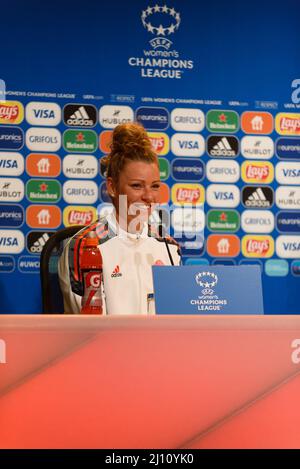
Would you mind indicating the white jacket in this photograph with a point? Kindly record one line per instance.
(127, 260)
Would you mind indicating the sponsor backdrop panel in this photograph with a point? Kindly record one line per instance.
(225, 124)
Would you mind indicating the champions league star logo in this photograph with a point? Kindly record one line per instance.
(207, 280)
(160, 13)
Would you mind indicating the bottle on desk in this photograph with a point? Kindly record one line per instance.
(91, 270)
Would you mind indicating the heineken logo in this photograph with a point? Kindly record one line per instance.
(84, 141)
(43, 190)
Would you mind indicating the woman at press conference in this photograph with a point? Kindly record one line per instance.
(127, 242)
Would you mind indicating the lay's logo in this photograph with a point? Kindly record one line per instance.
(160, 142)
(257, 246)
(188, 194)
(11, 112)
(76, 215)
(257, 172)
(287, 123)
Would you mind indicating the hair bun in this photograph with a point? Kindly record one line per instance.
(130, 138)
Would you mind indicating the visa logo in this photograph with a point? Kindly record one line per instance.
(188, 144)
(43, 114)
(224, 195)
(8, 164)
(291, 172)
(291, 246)
(8, 241)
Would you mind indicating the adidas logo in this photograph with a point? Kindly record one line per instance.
(39, 243)
(257, 195)
(83, 116)
(116, 272)
(80, 114)
(257, 198)
(224, 146)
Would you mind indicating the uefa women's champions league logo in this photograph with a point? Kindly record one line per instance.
(152, 19)
(207, 280)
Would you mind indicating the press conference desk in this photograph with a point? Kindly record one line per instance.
(149, 382)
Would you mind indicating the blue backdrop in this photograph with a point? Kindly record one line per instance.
(203, 59)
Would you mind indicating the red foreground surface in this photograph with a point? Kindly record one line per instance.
(149, 382)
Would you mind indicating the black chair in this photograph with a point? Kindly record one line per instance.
(52, 298)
